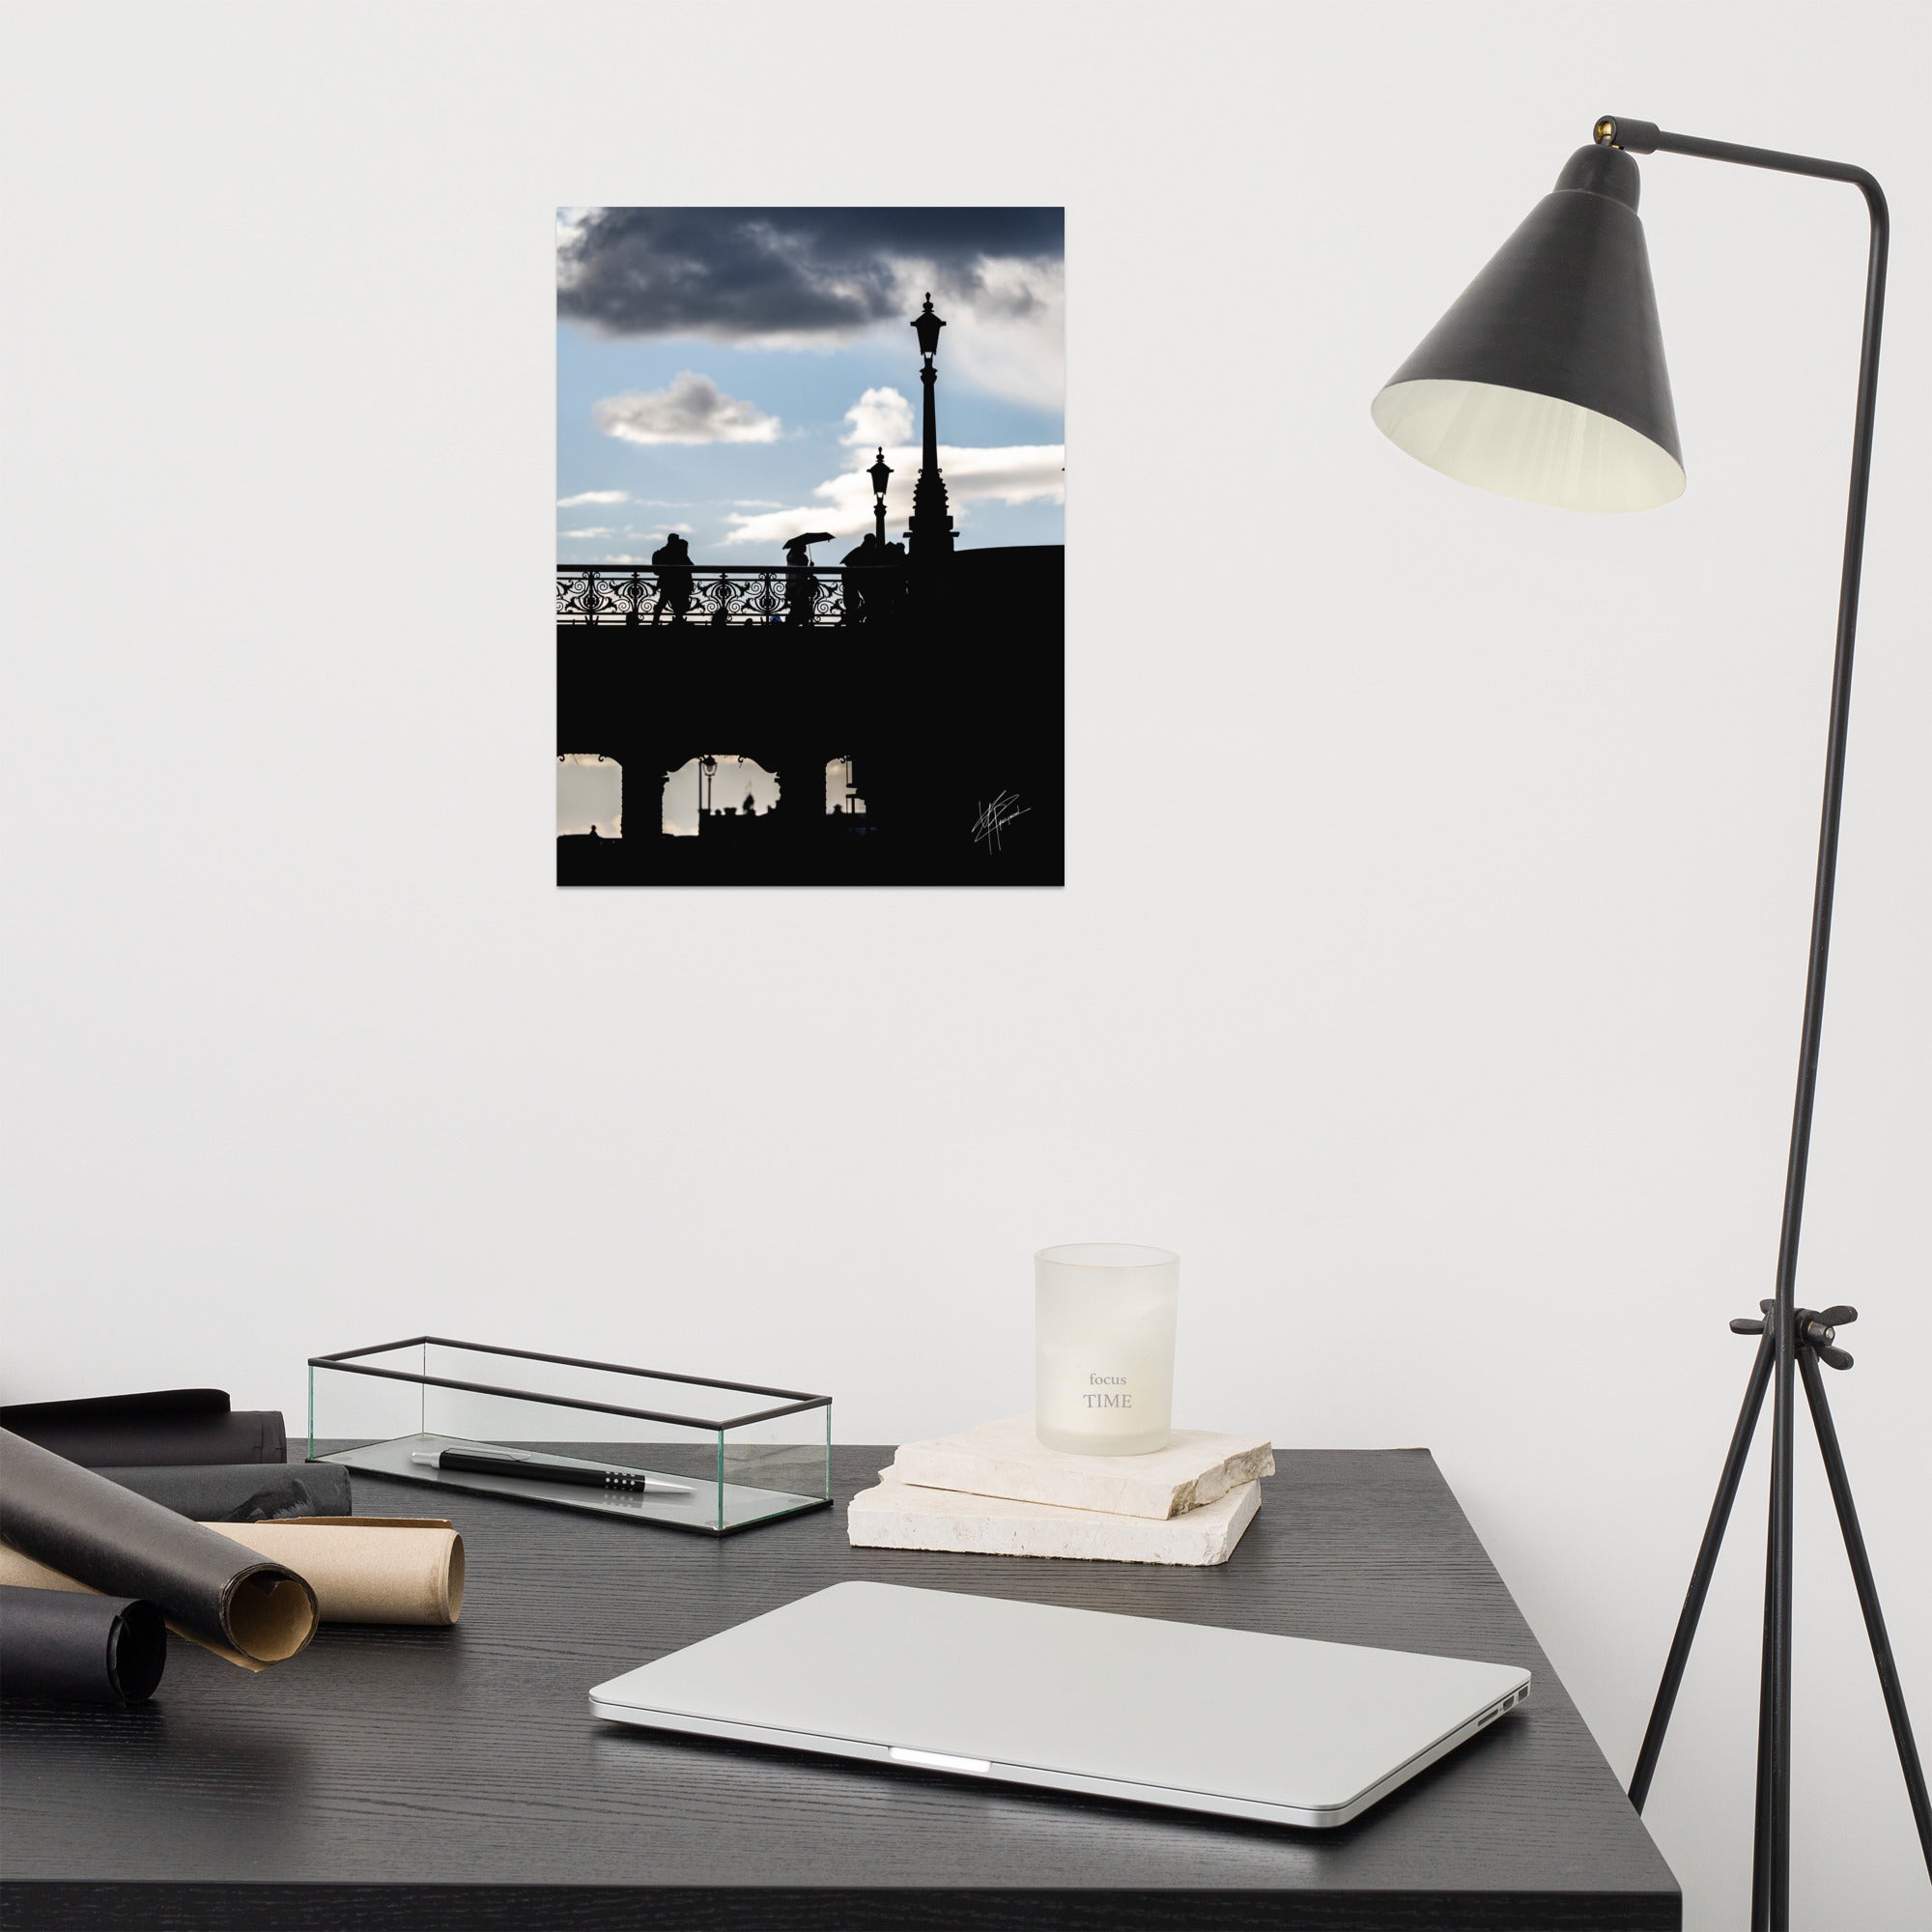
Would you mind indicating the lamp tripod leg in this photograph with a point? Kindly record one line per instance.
(1780, 1567)
(1762, 1827)
(1702, 1572)
(1867, 1588)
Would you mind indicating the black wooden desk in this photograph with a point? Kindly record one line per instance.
(419, 1779)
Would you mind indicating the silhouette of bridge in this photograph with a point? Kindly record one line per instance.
(939, 709)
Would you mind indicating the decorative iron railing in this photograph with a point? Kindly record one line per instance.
(725, 595)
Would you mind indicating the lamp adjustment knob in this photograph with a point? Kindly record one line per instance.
(1619, 131)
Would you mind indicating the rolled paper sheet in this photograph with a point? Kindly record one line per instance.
(366, 1569)
(363, 1570)
(158, 1426)
(242, 1491)
(79, 1649)
(85, 1529)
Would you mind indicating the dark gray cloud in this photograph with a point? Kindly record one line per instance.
(739, 272)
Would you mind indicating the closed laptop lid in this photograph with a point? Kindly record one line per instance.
(1273, 1721)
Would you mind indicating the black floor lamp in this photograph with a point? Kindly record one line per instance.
(1546, 381)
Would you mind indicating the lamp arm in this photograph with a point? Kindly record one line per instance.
(1647, 137)
(1772, 1901)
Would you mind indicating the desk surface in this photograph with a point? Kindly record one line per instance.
(430, 1779)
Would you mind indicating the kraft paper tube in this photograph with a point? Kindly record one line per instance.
(367, 1569)
(363, 1570)
(84, 1532)
(79, 1649)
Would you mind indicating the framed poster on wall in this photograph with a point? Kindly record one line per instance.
(811, 482)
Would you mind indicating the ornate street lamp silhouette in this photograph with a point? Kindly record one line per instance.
(930, 528)
(878, 472)
(707, 784)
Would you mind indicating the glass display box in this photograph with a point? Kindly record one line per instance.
(683, 1452)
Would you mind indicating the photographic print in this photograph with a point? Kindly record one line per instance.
(811, 478)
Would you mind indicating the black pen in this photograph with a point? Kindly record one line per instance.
(581, 1475)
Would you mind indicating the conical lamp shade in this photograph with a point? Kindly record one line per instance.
(1546, 381)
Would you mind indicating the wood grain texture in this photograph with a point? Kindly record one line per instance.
(453, 1778)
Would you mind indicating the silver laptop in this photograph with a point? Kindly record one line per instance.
(1279, 1728)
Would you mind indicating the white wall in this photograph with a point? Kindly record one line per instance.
(1454, 1053)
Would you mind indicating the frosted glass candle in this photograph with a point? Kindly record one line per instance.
(1103, 1347)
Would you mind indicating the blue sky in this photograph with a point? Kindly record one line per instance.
(724, 365)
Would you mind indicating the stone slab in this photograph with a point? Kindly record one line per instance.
(903, 1516)
(1006, 1458)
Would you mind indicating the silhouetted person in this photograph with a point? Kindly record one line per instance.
(856, 577)
(800, 581)
(885, 582)
(750, 806)
(672, 562)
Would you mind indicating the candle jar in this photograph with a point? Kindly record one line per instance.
(1103, 1347)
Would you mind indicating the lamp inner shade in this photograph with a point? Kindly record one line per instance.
(1545, 379)
(1535, 447)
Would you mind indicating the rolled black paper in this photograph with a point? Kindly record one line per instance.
(80, 1648)
(113, 1541)
(162, 1426)
(242, 1491)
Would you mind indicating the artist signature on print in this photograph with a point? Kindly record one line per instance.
(994, 818)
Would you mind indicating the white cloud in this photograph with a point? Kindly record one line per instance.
(1011, 336)
(593, 497)
(1005, 336)
(691, 409)
(1024, 473)
(600, 530)
(878, 417)
(1006, 333)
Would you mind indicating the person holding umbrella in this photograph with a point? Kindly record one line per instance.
(801, 581)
